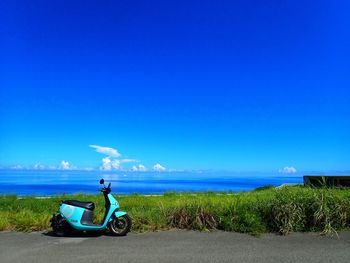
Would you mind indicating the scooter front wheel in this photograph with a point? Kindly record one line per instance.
(120, 226)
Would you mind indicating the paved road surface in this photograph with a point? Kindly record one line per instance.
(174, 246)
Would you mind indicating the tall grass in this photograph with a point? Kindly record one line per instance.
(284, 210)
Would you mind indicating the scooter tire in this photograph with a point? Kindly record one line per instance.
(118, 229)
(60, 227)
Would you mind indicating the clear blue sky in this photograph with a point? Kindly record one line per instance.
(226, 85)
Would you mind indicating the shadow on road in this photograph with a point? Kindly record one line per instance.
(77, 234)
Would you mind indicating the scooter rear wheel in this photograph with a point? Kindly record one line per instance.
(60, 226)
(120, 226)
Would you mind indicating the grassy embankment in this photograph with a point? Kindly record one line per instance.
(282, 210)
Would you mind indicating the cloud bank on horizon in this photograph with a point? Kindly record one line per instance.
(110, 162)
(113, 162)
(65, 165)
(159, 168)
(288, 170)
(139, 168)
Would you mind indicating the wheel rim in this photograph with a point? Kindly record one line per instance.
(119, 224)
(60, 228)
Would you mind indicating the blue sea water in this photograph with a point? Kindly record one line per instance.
(47, 183)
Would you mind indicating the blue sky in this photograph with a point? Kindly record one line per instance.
(223, 85)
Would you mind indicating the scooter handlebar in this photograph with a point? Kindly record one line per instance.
(104, 188)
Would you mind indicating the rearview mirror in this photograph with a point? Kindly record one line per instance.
(102, 181)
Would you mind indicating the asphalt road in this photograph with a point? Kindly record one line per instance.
(174, 246)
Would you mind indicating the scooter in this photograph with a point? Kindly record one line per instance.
(77, 215)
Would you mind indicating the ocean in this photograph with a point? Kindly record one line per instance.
(48, 183)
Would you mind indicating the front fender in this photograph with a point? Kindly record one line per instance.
(116, 214)
(119, 213)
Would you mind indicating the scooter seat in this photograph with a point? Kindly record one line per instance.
(87, 205)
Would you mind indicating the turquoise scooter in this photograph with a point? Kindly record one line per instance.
(76, 215)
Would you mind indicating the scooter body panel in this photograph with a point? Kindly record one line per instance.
(72, 214)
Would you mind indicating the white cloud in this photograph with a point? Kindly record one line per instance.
(139, 168)
(65, 165)
(108, 164)
(142, 168)
(38, 166)
(176, 170)
(116, 164)
(17, 167)
(288, 170)
(159, 168)
(106, 150)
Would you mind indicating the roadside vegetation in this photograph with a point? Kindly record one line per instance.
(281, 210)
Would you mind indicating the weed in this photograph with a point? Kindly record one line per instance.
(283, 210)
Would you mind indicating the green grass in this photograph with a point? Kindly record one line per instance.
(284, 210)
